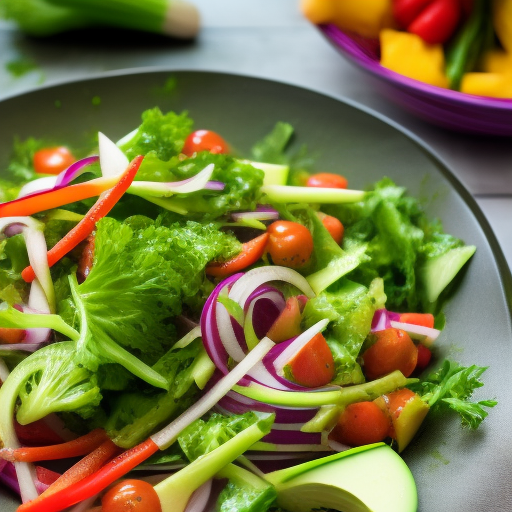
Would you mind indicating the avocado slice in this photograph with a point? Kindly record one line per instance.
(371, 478)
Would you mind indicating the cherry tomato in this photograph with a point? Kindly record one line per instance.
(406, 11)
(361, 423)
(313, 365)
(424, 356)
(327, 180)
(131, 496)
(204, 140)
(52, 160)
(290, 244)
(333, 225)
(392, 350)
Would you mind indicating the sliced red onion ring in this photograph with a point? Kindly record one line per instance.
(382, 319)
(293, 437)
(424, 335)
(215, 185)
(4, 373)
(257, 215)
(251, 280)
(60, 181)
(22, 347)
(262, 446)
(161, 189)
(226, 326)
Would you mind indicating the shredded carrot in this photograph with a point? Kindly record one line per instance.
(86, 226)
(80, 446)
(36, 203)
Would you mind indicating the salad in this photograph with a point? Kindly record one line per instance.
(207, 330)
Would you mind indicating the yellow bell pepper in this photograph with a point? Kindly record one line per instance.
(496, 61)
(502, 21)
(497, 85)
(365, 18)
(409, 55)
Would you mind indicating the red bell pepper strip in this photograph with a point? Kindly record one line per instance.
(94, 483)
(80, 446)
(84, 467)
(252, 251)
(86, 226)
(423, 319)
(434, 21)
(41, 201)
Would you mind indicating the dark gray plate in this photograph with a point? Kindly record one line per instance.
(455, 469)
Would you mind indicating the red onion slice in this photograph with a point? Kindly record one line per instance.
(256, 215)
(199, 498)
(113, 161)
(285, 437)
(60, 181)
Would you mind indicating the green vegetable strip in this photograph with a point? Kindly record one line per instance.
(136, 14)
(463, 53)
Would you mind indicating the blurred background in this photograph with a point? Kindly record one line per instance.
(270, 39)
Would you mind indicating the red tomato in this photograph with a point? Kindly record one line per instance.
(423, 319)
(327, 180)
(393, 350)
(313, 365)
(361, 423)
(204, 140)
(53, 160)
(424, 356)
(289, 244)
(131, 496)
(333, 225)
(437, 22)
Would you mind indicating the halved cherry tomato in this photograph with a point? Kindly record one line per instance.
(424, 356)
(423, 319)
(392, 350)
(290, 244)
(287, 324)
(131, 496)
(327, 180)
(204, 140)
(313, 365)
(52, 160)
(11, 336)
(361, 423)
(333, 225)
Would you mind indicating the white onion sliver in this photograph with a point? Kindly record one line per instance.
(296, 345)
(243, 288)
(287, 426)
(113, 161)
(227, 333)
(259, 373)
(199, 498)
(38, 185)
(426, 335)
(336, 446)
(168, 434)
(271, 447)
(26, 474)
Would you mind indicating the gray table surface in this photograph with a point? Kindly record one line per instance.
(269, 39)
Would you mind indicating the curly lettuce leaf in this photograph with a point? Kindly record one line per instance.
(13, 259)
(451, 388)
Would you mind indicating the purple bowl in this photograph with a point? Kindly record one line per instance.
(443, 107)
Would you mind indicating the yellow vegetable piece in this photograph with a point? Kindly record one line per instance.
(409, 55)
(365, 18)
(502, 21)
(497, 85)
(497, 61)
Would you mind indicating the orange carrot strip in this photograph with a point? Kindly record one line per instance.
(424, 319)
(84, 467)
(86, 226)
(80, 446)
(252, 251)
(36, 203)
(94, 483)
